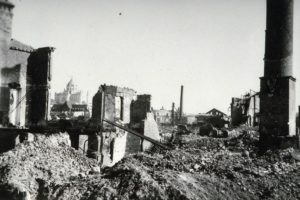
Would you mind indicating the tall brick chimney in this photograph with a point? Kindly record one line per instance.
(277, 89)
(5, 37)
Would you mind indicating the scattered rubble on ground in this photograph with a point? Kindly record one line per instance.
(49, 159)
(202, 168)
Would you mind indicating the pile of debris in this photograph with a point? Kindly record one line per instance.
(47, 159)
(202, 168)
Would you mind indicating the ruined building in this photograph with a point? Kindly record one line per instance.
(25, 76)
(245, 110)
(214, 117)
(163, 116)
(111, 103)
(117, 105)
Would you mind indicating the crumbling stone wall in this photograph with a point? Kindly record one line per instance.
(119, 147)
(113, 146)
(111, 94)
(138, 112)
(150, 130)
(142, 121)
(112, 103)
(122, 109)
(38, 80)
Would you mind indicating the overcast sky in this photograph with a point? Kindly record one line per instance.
(215, 48)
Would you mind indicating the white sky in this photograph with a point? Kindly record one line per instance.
(215, 48)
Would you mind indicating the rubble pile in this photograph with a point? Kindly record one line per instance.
(202, 168)
(47, 159)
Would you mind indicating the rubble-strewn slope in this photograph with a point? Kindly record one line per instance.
(203, 168)
(49, 159)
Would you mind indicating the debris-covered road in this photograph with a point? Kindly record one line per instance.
(202, 168)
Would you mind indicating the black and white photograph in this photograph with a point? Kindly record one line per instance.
(149, 100)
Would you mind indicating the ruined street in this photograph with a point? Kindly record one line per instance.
(138, 100)
(202, 168)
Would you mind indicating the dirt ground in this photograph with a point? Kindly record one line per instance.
(197, 168)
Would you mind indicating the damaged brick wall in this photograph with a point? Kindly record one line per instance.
(138, 112)
(38, 85)
(121, 109)
(150, 130)
(116, 103)
(113, 104)
(142, 121)
(113, 147)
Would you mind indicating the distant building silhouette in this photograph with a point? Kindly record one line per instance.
(71, 94)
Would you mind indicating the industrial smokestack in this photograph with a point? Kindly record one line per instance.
(181, 103)
(279, 39)
(277, 93)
